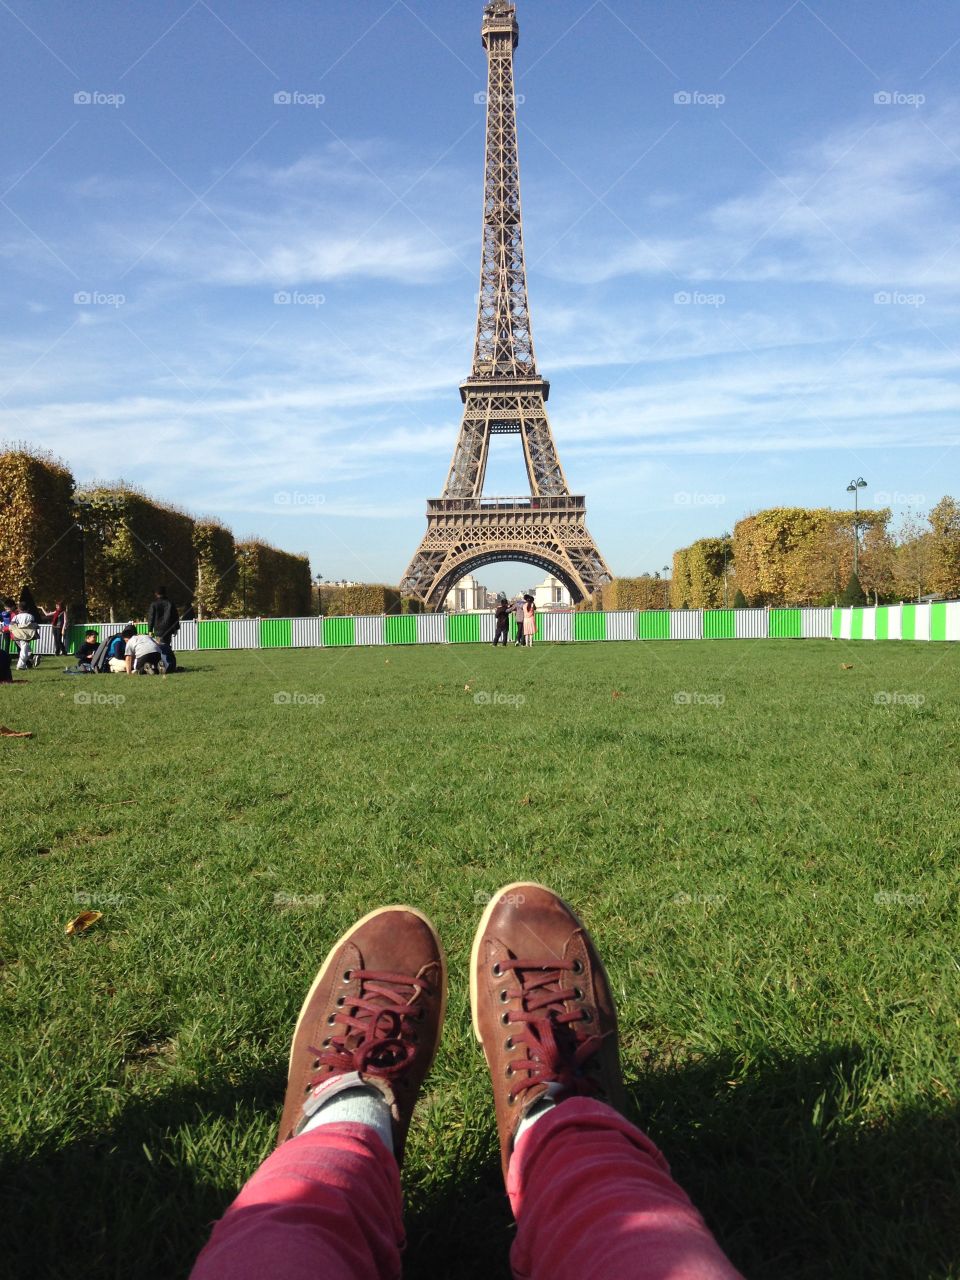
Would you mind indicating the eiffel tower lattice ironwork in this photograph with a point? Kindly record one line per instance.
(504, 393)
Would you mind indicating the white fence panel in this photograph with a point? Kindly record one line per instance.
(306, 633)
(431, 628)
(185, 641)
(816, 624)
(621, 625)
(894, 622)
(556, 626)
(869, 624)
(846, 621)
(953, 620)
(244, 633)
(44, 640)
(750, 624)
(368, 630)
(922, 615)
(488, 627)
(686, 624)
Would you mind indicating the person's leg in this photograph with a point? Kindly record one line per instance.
(592, 1195)
(23, 661)
(327, 1202)
(167, 656)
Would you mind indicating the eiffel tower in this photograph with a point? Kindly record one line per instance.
(504, 394)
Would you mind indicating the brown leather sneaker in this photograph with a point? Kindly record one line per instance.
(374, 1014)
(542, 1007)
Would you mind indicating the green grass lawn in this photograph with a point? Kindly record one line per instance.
(769, 866)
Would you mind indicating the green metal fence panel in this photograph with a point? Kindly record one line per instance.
(589, 626)
(463, 628)
(836, 623)
(213, 635)
(401, 629)
(275, 633)
(653, 624)
(786, 624)
(719, 624)
(938, 621)
(908, 622)
(882, 623)
(338, 632)
(856, 624)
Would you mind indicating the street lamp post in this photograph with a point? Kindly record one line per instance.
(726, 552)
(854, 487)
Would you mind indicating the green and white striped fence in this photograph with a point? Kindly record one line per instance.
(889, 622)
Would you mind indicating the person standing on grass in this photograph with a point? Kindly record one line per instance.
(529, 620)
(163, 623)
(518, 618)
(502, 616)
(58, 620)
(592, 1195)
(24, 628)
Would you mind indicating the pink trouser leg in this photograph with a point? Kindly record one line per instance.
(593, 1197)
(324, 1206)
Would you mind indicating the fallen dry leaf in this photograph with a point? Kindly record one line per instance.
(525, 800)
(616, 694)
(846, 666)
(83, 922)
(12, 733)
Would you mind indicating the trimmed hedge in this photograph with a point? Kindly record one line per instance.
(39, 538)
(217, 568)
(644, 592)
(363, 599)
(271, 583)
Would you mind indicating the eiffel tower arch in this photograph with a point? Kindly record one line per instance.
(504, 394)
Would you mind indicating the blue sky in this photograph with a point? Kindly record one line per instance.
(742, 234)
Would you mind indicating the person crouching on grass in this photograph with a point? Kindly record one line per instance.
(142, 653)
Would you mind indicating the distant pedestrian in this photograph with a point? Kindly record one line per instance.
(529, 620)
(518, 618)
(58, 620)
(502, 617)
(24, 628)
(163, 622)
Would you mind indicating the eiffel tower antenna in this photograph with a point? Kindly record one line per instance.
(504, 394)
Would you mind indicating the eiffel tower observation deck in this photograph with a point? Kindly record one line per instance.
(504, 394)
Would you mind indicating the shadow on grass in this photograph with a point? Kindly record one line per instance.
(791, 1192)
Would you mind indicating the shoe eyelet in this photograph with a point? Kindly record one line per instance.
(578, 966)
(316, 1061)
(509, 1071)
(586, 1015)
(577, 993)
(496, 969)
(505, 1019)
(325, 1045)
(340, 1001)
(510, 1099)
(347, 974)
(331, 1021)
(508, 1043)
(503, 996)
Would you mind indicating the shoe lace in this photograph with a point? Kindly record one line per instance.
(375, 1027)
(556, 1047)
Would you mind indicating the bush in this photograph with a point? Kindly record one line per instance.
(740, 600)
(644, 592)
(853, 592)
(39, 537)
(271, 583)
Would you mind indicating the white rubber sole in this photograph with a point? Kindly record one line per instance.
(343, 938)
